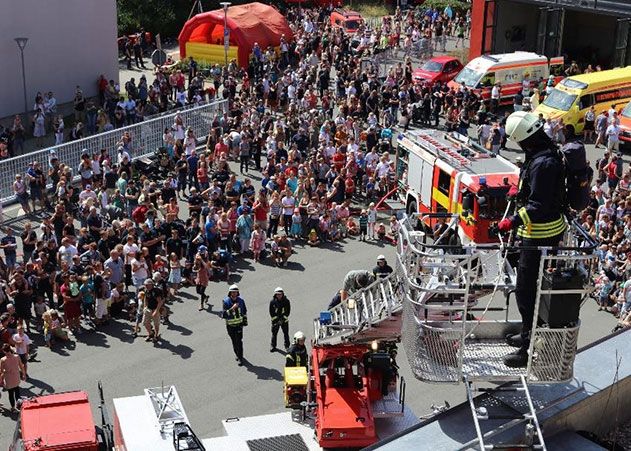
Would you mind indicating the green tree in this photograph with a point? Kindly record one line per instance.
(159, 16)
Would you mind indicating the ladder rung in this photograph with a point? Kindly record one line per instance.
(514, 445)
(502, 417)
(496, 389)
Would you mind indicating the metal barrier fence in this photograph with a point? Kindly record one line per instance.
(146, 137)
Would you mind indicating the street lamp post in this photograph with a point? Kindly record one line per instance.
(21, 42)
(226, 32)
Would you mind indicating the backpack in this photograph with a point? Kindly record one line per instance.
(619, 165)
(578, 175)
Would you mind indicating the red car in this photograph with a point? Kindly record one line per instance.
(439, 68)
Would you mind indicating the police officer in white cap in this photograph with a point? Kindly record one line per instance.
(279, 310)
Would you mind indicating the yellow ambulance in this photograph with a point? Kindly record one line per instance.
(573, 96)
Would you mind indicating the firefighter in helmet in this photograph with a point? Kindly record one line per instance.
(235, 313)
(297, 353)
(539, 220)
(279, 310)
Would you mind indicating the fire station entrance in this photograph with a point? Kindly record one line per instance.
(587, 35)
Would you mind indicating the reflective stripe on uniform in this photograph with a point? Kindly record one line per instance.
(543, 230)
(236, 320)
(523, 214)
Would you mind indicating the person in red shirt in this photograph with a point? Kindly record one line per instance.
(261, 209)
(349, 187)
(338, 159)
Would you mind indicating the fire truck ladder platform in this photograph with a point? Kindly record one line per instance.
(589, 402)
(372, 313)
(156, 421)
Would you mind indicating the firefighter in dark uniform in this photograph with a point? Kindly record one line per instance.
(539, 220)
(279, 309)
(383, 269)
(235, 313)
(297, 353)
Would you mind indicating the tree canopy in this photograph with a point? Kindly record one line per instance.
(159, 16)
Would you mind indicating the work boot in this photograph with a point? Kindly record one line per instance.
(240, 362)
(516, 341)
(517, 359)
(272, 348)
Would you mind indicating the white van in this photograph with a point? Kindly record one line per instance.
(510, 70)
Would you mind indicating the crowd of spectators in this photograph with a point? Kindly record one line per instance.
(107, 248)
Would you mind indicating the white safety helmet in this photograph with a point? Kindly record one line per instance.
(521, 125)
(299, 336)
(278, 290)
(233, 287)
(381, 258)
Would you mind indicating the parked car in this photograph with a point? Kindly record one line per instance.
(439, 68)
(349, 21)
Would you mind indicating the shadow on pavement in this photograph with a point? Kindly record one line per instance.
(118, 329)
(41, 386)
(181, 329)
(183, 351)
(263, 372)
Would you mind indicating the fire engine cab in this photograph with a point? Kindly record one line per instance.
(447, 172)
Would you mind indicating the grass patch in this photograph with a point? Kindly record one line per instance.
(370, 9)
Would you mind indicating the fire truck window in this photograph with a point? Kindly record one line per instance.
(487, 81)
(444, 180)
(467, 202)
(494, 205)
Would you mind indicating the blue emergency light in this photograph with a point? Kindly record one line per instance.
(325, 318)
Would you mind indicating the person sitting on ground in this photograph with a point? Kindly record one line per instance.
(281, 250)
(313, 239)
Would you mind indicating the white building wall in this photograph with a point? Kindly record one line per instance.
(71, 42)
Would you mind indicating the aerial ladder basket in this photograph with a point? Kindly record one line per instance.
(449, 293)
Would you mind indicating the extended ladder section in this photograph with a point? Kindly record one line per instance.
(371, 313)
(490, 409)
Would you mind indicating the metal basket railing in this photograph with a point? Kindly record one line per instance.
(443, 286)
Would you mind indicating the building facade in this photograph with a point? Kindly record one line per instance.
(588, 31)
(70, 43)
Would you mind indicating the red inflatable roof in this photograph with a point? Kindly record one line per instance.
(249, 23)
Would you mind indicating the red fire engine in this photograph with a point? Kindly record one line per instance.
(446, 172)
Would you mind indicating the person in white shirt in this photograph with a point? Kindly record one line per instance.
(525, 86)
(139, 271)
(66, 251)
(496, 93)
(86, 194)
(122, 153)
(372, 156)
(383, 168)
(180, 97)
(611, 112)
(22, 343)
(548, 128)
(291, 92)
(288, 202)
(613, 140)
